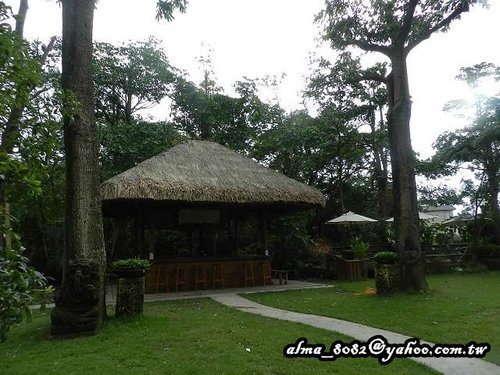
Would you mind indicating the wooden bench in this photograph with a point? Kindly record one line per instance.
(282, 275)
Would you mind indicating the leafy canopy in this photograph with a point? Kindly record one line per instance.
(129, 78)
(385, 25)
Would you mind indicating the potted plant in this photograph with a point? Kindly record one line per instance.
(359, 248)
(360, 251)
(387, 272)
(131, 286)
(133, 267)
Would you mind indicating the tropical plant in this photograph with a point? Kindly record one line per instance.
(386, 257)
(359, 248)
(21, 286)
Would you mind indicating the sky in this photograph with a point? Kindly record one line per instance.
(255, 38)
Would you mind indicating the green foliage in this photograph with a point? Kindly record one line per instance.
(360, 248)
(20, 285)
(205, 113)
(123, 145)
(19, 73)
(291, 146)
(292, 240)
(346, 79)
(356, 96)
(386, 257)
(34, 174)
(476, 147)
(165, 8)
(17, 178)
(131, 264)
(129, 78)
(380, 25)
(436, 234)
(439, 195)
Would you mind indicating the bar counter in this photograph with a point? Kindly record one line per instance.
(182, 274)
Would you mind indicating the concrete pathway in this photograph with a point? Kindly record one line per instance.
(451, 366)
(292, 285)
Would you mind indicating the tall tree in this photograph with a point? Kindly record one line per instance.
(394, 28)
(129, 78)
(20, 76)
(361, 94)
(10, 131)
(80, 302)
(206, 113)
(476, 146)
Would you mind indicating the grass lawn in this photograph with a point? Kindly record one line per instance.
(458, 308)
(181, 337)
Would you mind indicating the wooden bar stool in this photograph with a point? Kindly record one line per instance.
(266, 274)
(200, 276)
(218, 273)
(181, 276)
(249, 274)
(161, 269)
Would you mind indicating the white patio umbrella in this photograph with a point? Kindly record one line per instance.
(421, 216)
(351, 218)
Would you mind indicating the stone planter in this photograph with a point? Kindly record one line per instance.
(128, 273)
(130, 294)
(387, 278)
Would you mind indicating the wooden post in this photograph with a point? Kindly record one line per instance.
(191, 240)
(201, 243)
(142, 242)
(139, 230)
(264, 231)
(214, 241)
(136, 232)
(235, 237)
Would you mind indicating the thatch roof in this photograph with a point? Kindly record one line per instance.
(202, 171)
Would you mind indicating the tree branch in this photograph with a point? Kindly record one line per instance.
(21, 17)
(461, 8)
(37, 93)
(370, 47)
(47, 50)
(368, 76)
(407, 22)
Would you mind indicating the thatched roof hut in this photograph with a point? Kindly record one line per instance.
(208, 173)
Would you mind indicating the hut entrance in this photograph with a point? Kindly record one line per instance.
(195, 248)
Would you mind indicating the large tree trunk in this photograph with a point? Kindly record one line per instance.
(80, 302)
(406, 219)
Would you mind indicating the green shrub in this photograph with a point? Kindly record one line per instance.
(488, 251)
(132, 263)
(386, 257)
(20, 287)
(360, 248)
